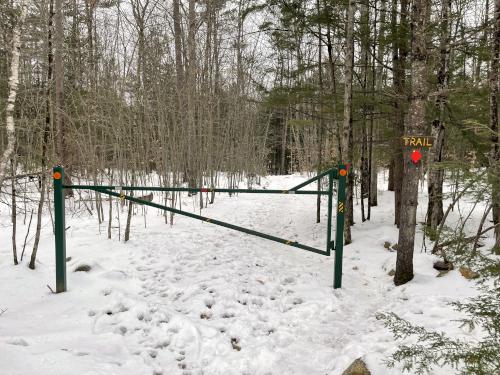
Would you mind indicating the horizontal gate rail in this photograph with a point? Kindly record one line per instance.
(197, 190)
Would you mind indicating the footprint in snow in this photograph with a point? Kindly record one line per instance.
(162, 344)
(17, 341)
(228, 315)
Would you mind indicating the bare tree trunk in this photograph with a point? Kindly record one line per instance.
(378, 78)
(129, 219)
(32, 263)
(48, 101)
(482, 42)
(390, 186)
(346, 148)
(331, 63)
(495, 130)
(62, 147)
(14, 210)
(193, 170)
(416, 125)
(320, 129)
(400, 52)
(110, 214)
(436, 173)
(13, 83)
(479, 231)
(178, 44)
(365, 46)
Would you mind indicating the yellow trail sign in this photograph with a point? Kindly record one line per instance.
(417, 141)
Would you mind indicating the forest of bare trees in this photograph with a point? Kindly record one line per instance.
(115, 90)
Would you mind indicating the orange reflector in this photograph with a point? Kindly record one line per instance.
(57, 175)
(342, 172)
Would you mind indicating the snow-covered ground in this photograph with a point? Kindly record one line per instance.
(196, 298)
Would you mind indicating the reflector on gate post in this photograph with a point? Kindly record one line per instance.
(343, 172)
(57, 175)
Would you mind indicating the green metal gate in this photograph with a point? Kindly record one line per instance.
(338, 175)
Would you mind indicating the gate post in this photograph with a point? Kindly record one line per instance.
(60, 229)
(339, 233)
(329, 244)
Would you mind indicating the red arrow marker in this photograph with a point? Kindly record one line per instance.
(416, 155)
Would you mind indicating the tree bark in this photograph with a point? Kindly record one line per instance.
(378, 89)
(178, 44)
(346, 142)
(365, 155)
(320, 128)
(416, 125)
(436, 173)
(482, 43)
(48, 101)
(400, 53)
(14, 210)
(62, 140)
(390, 186)
(495, 130)
(13, 83)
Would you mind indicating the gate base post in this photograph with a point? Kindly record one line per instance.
(59, 228)
(339, 233)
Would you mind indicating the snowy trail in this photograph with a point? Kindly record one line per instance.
(237, 304)
(200, 299)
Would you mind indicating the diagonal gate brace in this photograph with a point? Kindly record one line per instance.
(214, 221)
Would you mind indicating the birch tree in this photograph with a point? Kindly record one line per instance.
(13, 83)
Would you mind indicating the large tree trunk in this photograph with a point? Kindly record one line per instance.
(416, 125)
(13, 83)
(346, 149)
(436, 174)
(495, 151)
(400, 52)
